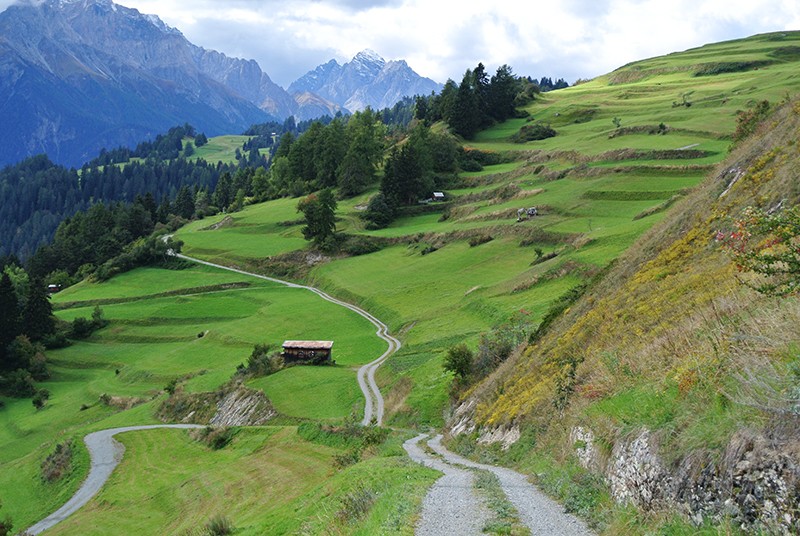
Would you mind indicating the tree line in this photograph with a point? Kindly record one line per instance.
(480, 100)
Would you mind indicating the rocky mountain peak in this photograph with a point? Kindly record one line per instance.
(366, 80)
(368, 56)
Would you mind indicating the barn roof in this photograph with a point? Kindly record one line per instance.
(309, 345)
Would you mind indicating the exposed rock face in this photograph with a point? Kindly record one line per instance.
(505, 436)
(636, 474)
(236, 405)
(756, 482)
(583, 441)
(243, 407)
(462, 421)
(366, 80)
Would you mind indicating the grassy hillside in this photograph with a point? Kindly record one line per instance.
(156, 319)
(673, 343)
(631, 153)
(598, 184)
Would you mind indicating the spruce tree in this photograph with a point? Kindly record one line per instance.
(37, 316)
(465, 117)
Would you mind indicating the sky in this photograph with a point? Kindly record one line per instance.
(440, 39)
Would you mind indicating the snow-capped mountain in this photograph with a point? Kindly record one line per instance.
(366, 80)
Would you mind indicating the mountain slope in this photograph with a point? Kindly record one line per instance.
(366, 80)
(76, 76)
(670, 385)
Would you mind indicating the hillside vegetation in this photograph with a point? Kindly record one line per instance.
(671, 364)
(654, 342)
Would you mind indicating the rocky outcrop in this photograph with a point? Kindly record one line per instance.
(233, 405)
(243, 407)
(636, 474)
(756, 483)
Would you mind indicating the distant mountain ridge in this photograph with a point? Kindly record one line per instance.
(366, 80)
(80, 75)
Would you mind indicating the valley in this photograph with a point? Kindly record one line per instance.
(627, 196)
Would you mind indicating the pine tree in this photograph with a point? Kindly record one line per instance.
(184, 203)
(503, 90)
(465, 117)
(37, 316)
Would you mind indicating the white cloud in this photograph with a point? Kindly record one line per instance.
(569, 38)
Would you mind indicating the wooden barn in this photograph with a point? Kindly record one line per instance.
(310, 352)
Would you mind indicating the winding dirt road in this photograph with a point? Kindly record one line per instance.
(373, 405)
(450, 507)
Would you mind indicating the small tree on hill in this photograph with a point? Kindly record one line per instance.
(319, 211)
(458, 360)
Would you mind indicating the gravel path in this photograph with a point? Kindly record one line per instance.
(537, 511)
(451, 505)
(373, 406)
(106, 453)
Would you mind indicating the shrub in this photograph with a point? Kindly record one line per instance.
(6, 525)
(380, 212)
(219, 525)
(710, 69)
(356, 504)
(480, 239)
(769, 246)
(57, 463)
(262, 362)
(534, 132)
(20, 384)
(459, 360)
(469, 165)
(215, 438)
(349, 457)
(81, 328)
(355, 245)
(40, 398)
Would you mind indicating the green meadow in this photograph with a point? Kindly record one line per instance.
(152, 339)
(220, 149)
(445, 274)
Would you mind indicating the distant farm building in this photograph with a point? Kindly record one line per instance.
(310, 352)
(438, 196)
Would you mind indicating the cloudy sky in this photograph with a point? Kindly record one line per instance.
(442, 38)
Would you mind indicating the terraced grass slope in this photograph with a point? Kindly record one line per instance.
(443, 275)
(194, 325)
(628, 146)
(672, 351)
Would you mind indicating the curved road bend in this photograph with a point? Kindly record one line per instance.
(373, 406)
(105, 453)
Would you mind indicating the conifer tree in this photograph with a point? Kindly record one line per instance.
(465, 117)
(37, 316)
